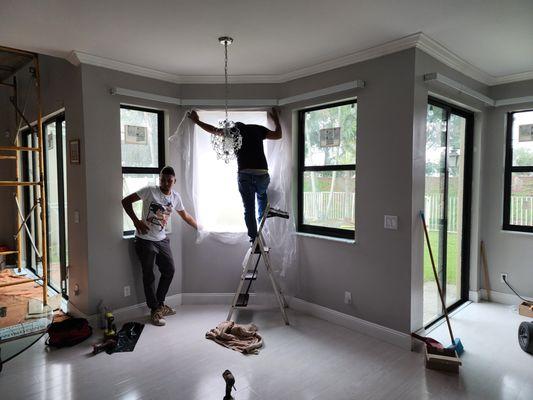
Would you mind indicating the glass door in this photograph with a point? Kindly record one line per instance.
(447, 203)
(55, 160)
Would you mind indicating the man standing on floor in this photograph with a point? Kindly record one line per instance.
(151, 242)
(253, 175)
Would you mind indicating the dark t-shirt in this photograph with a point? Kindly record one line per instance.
(251, 155)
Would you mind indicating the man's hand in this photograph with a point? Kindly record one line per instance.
(274, 114)
(193, 115)
(141, 226)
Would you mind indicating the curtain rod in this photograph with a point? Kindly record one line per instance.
(118, 91)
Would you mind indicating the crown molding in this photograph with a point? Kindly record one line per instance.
(441, 53)
(524, 76)
(417, 40)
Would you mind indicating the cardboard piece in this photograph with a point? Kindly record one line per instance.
(526, 309)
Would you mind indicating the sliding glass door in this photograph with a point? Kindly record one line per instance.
(54, 138)
(447, 203)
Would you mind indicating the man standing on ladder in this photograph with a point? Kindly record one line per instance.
(253, 175)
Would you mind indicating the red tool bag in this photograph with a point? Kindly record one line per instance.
(68, 332)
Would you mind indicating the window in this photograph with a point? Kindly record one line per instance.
(214, 179)
(143, 154)
(518, 192)
(326, 170)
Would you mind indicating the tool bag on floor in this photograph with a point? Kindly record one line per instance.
(68, 332)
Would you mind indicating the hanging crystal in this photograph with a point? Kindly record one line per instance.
(229, 141)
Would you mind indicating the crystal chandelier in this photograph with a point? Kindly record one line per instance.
(229, 142)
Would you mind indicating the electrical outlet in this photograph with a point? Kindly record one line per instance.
(127, 291)
(347, 297)
(391, 222)
(503, 277)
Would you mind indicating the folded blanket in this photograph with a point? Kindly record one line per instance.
(243, 338)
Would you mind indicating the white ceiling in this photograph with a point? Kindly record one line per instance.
(272, 37)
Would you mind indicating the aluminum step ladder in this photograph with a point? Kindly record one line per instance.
(257, 251)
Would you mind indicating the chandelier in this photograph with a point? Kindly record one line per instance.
(229, 141)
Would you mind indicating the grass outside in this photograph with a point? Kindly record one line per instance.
(452, 254)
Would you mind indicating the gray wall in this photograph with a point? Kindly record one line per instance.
(507, 251)
(111, 260)
(383, 269)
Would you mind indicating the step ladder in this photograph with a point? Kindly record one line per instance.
(254, 254)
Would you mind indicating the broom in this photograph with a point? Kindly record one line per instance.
(456, 342)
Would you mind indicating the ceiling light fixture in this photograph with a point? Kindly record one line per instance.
(229, 141)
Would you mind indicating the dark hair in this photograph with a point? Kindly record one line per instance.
(168, 171)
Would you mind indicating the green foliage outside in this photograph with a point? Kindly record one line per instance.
(452, 254)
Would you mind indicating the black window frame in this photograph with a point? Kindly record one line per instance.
(315, 229)
(160, 148)
(509, 169)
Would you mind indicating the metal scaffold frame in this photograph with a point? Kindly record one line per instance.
(11, 62)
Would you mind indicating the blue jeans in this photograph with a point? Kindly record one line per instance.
(251, 185)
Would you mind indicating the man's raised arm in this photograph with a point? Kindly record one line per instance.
(193, 115)
(276, 133)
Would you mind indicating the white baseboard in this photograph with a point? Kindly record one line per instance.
(263, 299)
(388, 335)
(474, 296)
(503, 298)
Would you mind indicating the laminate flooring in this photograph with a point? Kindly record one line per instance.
(310, 359)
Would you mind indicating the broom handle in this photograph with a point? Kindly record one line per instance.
(437, 277)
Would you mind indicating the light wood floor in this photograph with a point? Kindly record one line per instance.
(311, 359)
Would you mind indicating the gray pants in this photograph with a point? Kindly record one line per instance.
(155, 253)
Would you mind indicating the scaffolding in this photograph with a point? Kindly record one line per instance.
(12, 62)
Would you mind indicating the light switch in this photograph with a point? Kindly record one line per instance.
(76, 217)
(391, 222)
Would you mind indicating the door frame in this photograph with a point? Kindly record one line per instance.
(467, 203)
(58, 119)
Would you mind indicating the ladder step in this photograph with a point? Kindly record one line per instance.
(265, 249)
(274, 212)
(251, 276)
(242, 301)
(19, 148)
(18, 183)
(6, 252)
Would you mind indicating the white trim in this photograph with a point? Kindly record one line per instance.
(76, 312)
(417, 40)
(118, 91)
(514, 100)
(451, 101)
(231, 102)
(388, 335)
(263, 299)
(523, 76)
(503, 298)
(436, 77)
(323, 237)
(357, 84)
(384, 49)
(144, 95)
(474, 296)
(442, 54)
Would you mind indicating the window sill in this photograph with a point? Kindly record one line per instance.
(330, 238)
(517, 232)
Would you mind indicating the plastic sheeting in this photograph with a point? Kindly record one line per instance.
(278, 233)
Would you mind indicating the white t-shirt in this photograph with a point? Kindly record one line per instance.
(157, 209)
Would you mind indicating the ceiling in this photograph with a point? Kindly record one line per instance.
(273, 37)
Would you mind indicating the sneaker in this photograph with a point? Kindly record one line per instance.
(157, 317)
(167, 310)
